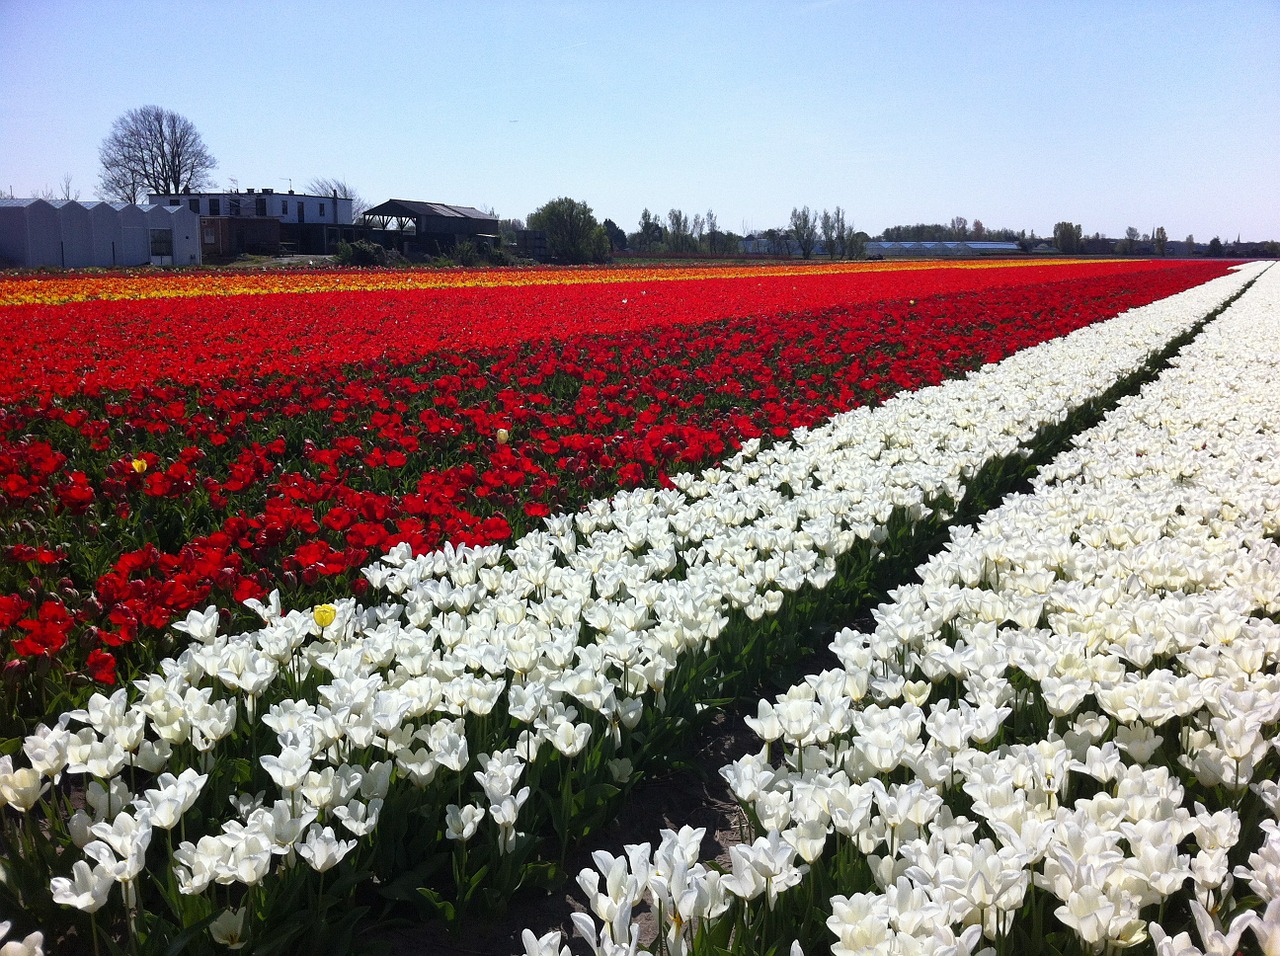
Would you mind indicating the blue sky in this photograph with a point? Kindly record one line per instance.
(1019, 114)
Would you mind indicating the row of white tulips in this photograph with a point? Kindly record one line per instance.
(1083, 673)
(651, 575)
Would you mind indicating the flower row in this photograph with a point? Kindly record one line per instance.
(1066, 730)
(524, 683)
(68, 348)
(60, 289)
(182, 495)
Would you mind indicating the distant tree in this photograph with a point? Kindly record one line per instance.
(617, 238)
(649, 234)
(64, 190)
(1067, 237)
(573, 234)
(329, 186)
(778, 242)
(152, 149)
(842, 232)
(804, 229)
(1191, 244)
(1131, 237)
(507, 229)
(856, 244)
(698, 227)
(979, 230)
(679, 238)
(960, 228)
(833, 231)
(827, 225)
(714, 236)
(1162, 240)
(1215, 247)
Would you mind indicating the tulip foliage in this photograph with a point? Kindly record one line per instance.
(391, 703)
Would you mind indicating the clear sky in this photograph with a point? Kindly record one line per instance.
(1020, 114)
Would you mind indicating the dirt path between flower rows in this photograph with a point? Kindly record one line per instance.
(696, 797)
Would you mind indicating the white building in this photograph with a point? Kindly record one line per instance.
(65, 234)
(288, 207)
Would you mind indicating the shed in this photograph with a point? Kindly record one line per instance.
(74, 235)
(134, 236)
(174, 234)
(30, 233)
(436, 227)
(105, 237)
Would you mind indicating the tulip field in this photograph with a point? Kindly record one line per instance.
(332, 597)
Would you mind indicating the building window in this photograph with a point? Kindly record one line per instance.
(260, 205)
(234, 203)
(322, 209)
(175, 202)
(215, 207)
(161, 242)
(194, 204)
(210, 237)
(284, 207)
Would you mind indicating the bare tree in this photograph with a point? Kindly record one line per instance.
(713, 232)
(959, 228)
(64, 190)
(1161, 239)
(804, 227)
(332, 186)
(699, 224)
(152, 149)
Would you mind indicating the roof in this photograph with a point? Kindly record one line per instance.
(412, 209)
(936, 244)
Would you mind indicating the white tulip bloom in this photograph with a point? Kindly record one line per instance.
(322, 850)
(86, 889)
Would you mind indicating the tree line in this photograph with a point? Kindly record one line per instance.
(152, 149)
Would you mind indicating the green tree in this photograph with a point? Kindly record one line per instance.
(833, 231)
(714, 236)
(1068, 237)
(1131, 237)
(649, 234)
(679, 236)
(804, 228)
(573, 234)
(1215, 247)
(1162, 240)
(617, 238)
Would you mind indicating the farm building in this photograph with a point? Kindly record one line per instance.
(265, 222)
(66, 234)
(429, 228)
(969, 247)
